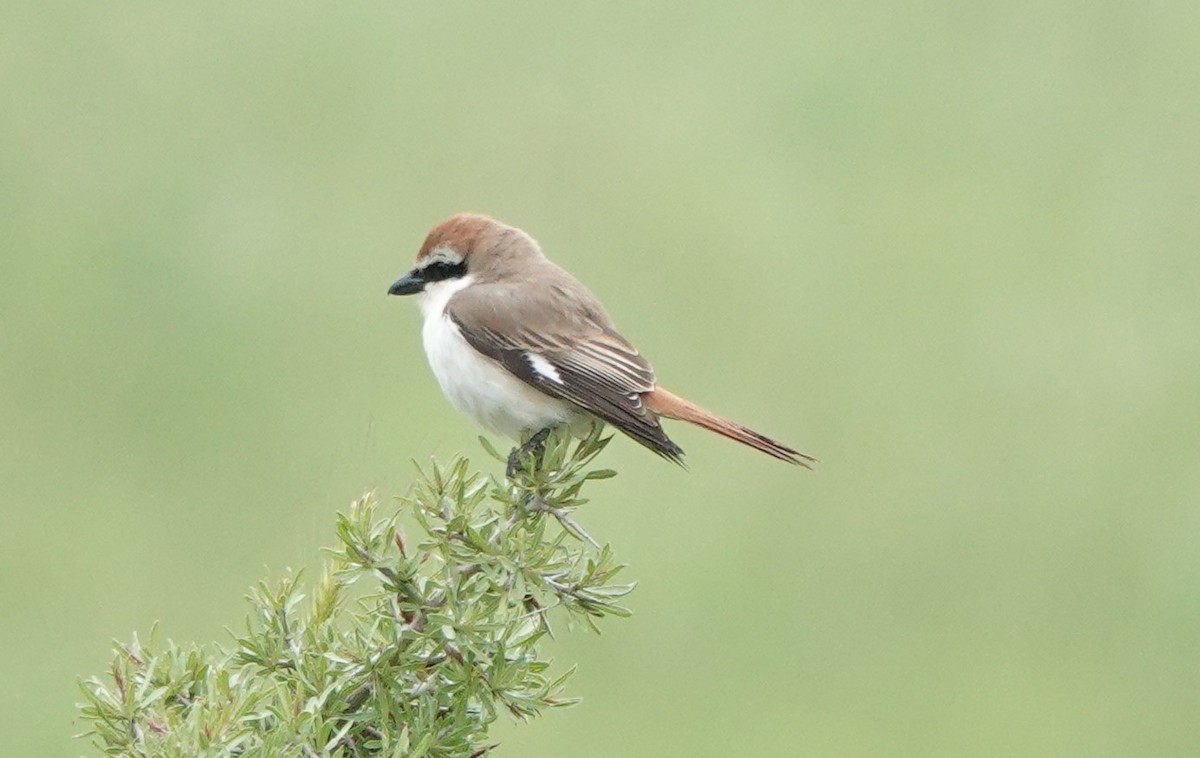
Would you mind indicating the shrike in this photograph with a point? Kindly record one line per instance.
(521, 346)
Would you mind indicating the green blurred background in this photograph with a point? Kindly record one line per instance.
(953, 250)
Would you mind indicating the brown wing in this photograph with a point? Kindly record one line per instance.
(558, 339)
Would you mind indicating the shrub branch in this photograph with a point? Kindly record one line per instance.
(406, 645)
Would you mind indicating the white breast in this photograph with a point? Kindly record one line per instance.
(475, 384)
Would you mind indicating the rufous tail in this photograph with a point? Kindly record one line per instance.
(673, 406)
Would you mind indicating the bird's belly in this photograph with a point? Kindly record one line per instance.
(483, 389)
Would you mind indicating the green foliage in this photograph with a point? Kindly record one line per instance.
(407, 646)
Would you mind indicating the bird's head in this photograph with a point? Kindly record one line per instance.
(466, 243)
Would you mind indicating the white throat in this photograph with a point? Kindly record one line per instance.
(436, 295)
(477, 385)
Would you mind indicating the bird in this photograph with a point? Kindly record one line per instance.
(521, 346)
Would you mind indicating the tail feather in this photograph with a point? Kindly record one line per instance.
(671, 405)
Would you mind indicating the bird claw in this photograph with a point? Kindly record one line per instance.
(535, 445)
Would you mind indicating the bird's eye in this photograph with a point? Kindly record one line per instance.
(439, 270)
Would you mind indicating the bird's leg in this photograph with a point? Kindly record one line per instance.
(535, 445)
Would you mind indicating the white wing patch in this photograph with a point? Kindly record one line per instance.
(543, 367)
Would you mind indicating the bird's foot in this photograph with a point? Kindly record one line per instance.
(534, 446)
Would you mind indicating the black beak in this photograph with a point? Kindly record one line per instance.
(409, 284)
